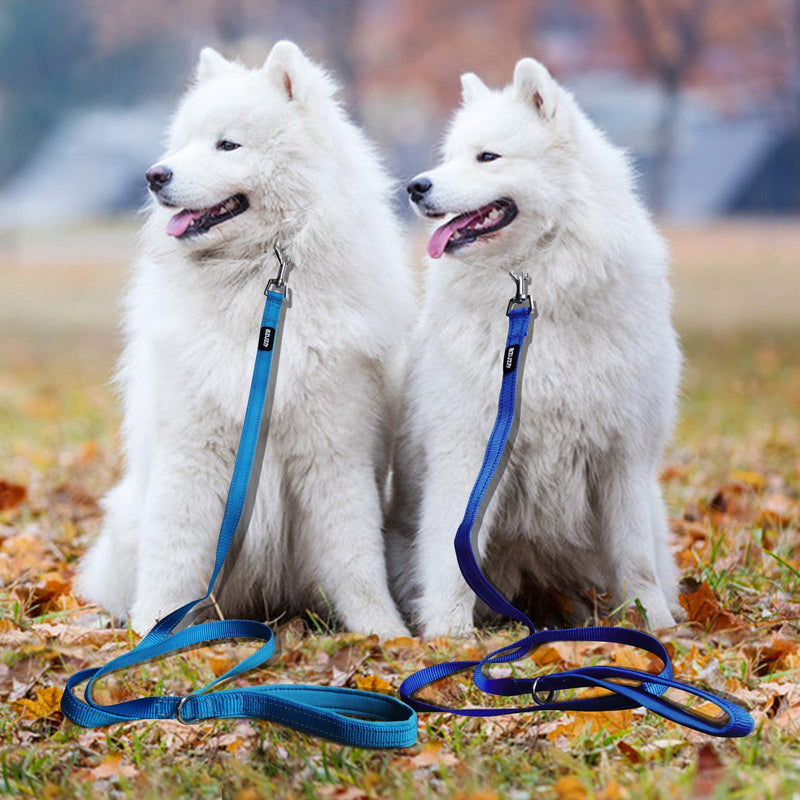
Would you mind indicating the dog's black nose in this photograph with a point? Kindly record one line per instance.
(158, 177)
(418, 187)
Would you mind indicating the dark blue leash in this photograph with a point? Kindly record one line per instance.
(348, 716)
(628, 688)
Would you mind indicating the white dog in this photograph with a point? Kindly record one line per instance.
(528, 183)
(257, 157)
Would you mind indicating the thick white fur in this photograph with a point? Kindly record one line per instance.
(192, 314)
(579, 503)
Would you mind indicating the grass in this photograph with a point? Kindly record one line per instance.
(732, 481)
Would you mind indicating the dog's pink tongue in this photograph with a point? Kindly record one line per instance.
(441, 236)
(181, 221)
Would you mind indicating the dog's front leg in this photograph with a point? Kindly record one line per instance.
(446, 604)
(629, 539)
(180, 522)
(342, 545)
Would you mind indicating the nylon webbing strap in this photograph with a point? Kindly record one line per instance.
(348, 716)
(627, 688)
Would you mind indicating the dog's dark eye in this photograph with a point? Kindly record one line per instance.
(487, 156)
(224, 144)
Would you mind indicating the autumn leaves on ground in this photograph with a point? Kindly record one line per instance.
(732, 480)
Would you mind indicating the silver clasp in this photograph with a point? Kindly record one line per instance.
(521, 298)
(279, 284)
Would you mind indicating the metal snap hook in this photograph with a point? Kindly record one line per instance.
(279, 283)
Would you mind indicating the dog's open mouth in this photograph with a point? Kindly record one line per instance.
(191, 222)
(466, 228)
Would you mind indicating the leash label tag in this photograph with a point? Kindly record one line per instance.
(510, 359)
(266, 338)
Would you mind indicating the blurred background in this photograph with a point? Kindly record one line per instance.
(705, 94)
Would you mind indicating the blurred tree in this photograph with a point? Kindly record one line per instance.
(50, 63)
(741, 55)
(669, 37)
(37, 42)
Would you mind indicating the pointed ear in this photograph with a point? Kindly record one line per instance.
(289, 70)
(210, 63)
(533, 84)
(472, 87)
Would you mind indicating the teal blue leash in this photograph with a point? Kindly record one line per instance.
(347, 716)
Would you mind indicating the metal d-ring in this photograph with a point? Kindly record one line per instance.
(551, 693)
(179, 716)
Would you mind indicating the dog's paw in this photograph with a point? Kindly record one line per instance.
(390, 631)
(387, 628)
(458, 631)
(455, 623)
(660, 618)
(678, 611)
(145, 613)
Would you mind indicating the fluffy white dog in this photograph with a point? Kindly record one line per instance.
(528, 183)
(257, 157)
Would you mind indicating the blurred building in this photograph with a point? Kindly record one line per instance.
(709, 107)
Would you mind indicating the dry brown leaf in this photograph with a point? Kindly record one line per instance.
(579, 724)
(343, 792)
(219, 665)
(630, 752)
(674, 472)
(568, 787)
(778, 509)
(547, 654)
(431, 755)
(612, 791)
(702, 606)
(709, 771)
(11, 495)
(88, 452)
(632, 658)
(755, 480)
(374, 683)
(112, 767)
(46, 704)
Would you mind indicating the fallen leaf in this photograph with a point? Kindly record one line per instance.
(709, 771)
(431, 755)
(778, 509)
(755, 480)
(112, 767)
(569, 787)
(589, 723)
(11, 495)
(374, 683)
(88, 451)
(46, 704)
(702, 606)
(673, 472)
(630, 752)
(661, 746)
(219, 665)
(612, 791)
